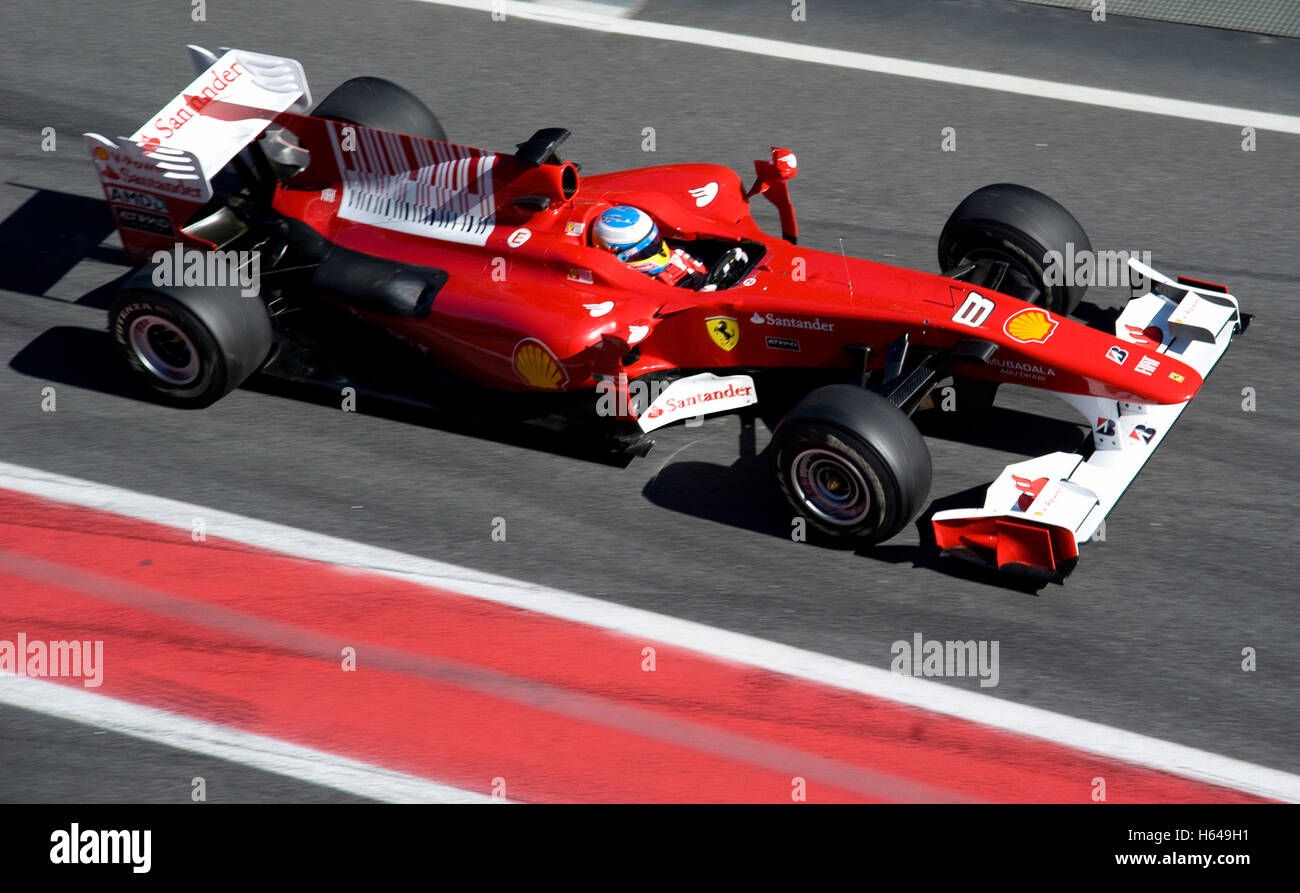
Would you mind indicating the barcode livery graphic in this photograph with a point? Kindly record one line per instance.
(415, 186)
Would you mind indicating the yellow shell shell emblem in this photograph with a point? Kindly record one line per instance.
(537, 366)
(1031, 325)
(724, 331)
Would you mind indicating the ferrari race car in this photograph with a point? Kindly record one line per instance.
(357, 219)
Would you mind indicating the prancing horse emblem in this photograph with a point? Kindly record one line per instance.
(724, 331)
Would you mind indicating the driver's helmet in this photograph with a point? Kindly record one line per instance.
(633, 237)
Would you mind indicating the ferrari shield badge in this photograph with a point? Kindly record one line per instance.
(724, 331)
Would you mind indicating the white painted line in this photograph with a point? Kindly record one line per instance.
(245, 748)
(619, 8)
(918, 692)
(926, 71)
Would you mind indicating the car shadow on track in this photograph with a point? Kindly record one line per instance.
(379, 405)
(1005, 430)
(743, 495)
(87, 358)
(49, 234)
(78, 357)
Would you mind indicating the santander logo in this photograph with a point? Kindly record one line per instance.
(704, 194)
(1029, 490)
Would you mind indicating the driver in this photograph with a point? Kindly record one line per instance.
(633, 237)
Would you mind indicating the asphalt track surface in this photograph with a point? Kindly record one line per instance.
(1147, 635)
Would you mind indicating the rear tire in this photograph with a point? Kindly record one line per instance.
(852, 464)
(1018, 225)
(190, 346)
(381, 104)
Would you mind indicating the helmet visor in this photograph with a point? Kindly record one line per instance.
(652, 259)
(641, 251)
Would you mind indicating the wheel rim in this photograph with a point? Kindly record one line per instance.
(830, 487)
(164, 349)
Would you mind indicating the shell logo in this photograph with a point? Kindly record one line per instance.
(1031, 325)
(101, 153)
(537, 366)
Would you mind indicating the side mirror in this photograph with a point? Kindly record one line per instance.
(787, 165)
(772, 177)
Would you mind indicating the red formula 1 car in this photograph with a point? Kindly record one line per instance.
(258, 220)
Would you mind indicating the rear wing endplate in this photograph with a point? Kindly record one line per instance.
(159, 176)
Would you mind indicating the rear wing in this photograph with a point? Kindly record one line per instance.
(1037, 512)
(157, 178)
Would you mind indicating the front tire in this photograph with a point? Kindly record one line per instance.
(1017, 225)
(852, 464)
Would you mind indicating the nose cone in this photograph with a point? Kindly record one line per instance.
(1064, 354)
(1156, 378)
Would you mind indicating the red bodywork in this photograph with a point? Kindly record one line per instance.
(798, 308)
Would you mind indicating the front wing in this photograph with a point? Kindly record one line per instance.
(1037, 512)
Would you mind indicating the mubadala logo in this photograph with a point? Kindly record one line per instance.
(1100, 268)
(191, 267)
(930, 657)
(791, 322)
(1022, 369)
(91, 847)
